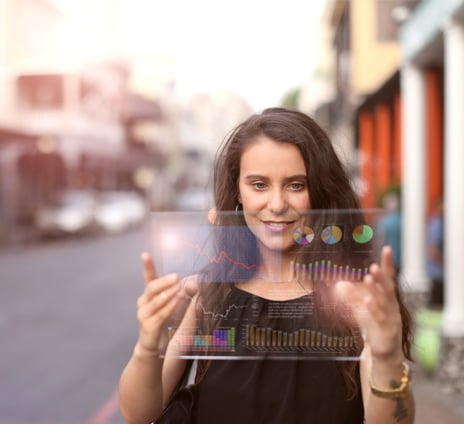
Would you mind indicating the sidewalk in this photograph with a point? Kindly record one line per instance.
(433, 405)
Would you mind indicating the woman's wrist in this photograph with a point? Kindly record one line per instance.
(144, 353)
(387, 364)
(389, 375)
(390, 359)
(390, 380)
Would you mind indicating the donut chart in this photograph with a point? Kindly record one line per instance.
(363, 234)
(303, 236)
(331, 234)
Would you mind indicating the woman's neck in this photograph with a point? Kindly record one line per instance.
(276, 267)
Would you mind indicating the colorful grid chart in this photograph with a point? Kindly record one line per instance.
(326, 271)
(301, 340)
(220, 340)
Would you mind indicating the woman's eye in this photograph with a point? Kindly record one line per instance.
(296, 186)
(259, 186)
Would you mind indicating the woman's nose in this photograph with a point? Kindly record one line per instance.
(277, 202)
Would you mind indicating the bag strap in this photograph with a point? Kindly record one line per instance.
(188, 377)
(192, 372)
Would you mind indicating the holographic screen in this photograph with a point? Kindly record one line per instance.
(221, 253)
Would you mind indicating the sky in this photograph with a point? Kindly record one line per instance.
(258, 48)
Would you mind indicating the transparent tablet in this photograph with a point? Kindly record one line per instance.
(277, 308)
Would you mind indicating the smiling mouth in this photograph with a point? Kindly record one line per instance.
(277, 226)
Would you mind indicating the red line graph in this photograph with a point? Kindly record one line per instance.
(224, 255)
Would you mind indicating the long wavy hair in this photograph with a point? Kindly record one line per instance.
(330, 190)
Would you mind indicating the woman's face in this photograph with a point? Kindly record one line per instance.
(273, 191)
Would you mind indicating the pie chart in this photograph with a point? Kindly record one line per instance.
(303, 236)
(331, 234)
(363, 234)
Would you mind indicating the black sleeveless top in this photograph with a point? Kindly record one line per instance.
(280, 391)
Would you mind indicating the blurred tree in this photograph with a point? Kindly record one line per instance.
(291, 98)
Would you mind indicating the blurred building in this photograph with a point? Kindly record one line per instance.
(432, 88)
(64, 123)
(359, 51)
(204, 122)
(398, 78)
(210, 116)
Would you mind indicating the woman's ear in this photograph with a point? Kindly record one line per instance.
(239, 198)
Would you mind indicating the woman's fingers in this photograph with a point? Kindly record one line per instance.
(149, 270)
(374, 298)
(374, 305)
(161, 296)
(157, 302)
(190, 286)
(155, 321)
(157, 289)
(382, 327)
(386, 262)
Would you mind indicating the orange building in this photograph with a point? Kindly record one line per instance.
(379, 137)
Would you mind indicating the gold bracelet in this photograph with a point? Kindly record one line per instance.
(397, 392)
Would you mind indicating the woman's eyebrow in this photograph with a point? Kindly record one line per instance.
(297, 177)
(253, 176)
(291, 177)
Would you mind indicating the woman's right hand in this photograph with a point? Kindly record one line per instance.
(158, 301)
(146, 381)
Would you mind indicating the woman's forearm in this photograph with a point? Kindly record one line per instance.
(140, 388)
(387, 378)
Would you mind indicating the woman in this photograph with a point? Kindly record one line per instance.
(270, 169)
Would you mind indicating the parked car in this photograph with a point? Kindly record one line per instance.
(194, 199)
(71, 214)
(119, 210)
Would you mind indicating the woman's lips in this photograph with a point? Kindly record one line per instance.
(277, 227)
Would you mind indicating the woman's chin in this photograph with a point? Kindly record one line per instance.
(278, 246)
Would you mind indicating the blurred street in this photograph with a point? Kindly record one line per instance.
(433, 405)
(67, 312)
(67, 319)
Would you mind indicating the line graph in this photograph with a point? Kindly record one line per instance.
(224, 255)
(223, 315)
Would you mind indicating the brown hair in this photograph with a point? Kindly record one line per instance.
(328, 182)
(329, 187)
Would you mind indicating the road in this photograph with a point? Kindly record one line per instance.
(67, 325)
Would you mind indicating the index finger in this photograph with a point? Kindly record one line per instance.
(386, 262)
(149, 270)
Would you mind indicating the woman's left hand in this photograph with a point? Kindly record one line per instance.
(374, 306)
